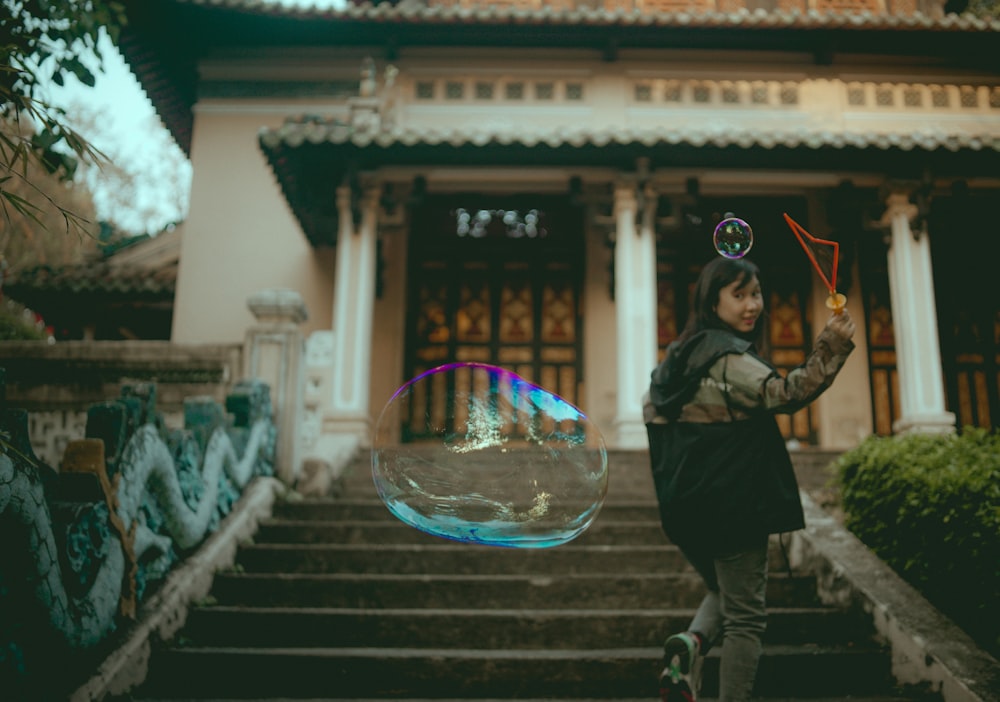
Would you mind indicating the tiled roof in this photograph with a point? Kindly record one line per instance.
(416, 12)
(311, 157)
(298, 133)
(93, 279)
(168, 69)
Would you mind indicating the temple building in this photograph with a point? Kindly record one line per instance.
(534, 185)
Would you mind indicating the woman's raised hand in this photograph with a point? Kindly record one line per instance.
(841, 324)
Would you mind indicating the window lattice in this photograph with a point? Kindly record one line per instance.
(856, 95)
(970, 97)
(903, 7)
(669, 6)
(871, 6)
(730, 93)
(789, 94)
(672, 91)
(884, 96)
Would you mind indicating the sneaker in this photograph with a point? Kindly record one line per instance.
(682, 667)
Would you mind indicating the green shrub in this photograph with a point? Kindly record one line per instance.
(929, 506)
(14, 327)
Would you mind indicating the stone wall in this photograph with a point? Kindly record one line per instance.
(56, 383)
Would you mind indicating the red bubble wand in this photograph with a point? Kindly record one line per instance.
(836, 301)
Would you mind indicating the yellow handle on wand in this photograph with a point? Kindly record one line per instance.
(836, 302)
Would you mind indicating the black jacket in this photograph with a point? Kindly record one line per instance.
(722, 473)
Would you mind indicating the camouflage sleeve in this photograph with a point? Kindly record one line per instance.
(753, 384)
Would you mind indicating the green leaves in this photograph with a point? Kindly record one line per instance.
(41, 41)
(929, 505)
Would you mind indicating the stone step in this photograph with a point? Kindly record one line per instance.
(496, 591)
(436, 555)
(603, 532)
(393, 532)
(605, 527)
(445, 556)
(306, 627)
(628, 472)
(618, 492)
(373, 509)
(395, 673)
(338, 599)
(902, 697)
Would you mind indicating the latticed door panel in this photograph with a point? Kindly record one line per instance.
(968, 309)
(886, 407)
(788, 341)
(508, 303)
(882, 365)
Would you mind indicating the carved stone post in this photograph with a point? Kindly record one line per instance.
(635, 311)
(918, 354)
(274, 352)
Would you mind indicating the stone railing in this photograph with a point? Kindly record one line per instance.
(82, 545)
(119, 491)
(56, 383)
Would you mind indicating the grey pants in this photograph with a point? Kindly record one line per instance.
(733, 612)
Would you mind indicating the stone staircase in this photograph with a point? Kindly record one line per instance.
(336, 599)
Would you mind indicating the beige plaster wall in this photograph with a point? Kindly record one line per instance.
(240, 236)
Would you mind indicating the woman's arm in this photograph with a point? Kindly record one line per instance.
(753, 384)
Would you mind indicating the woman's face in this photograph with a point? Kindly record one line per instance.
(740, 304)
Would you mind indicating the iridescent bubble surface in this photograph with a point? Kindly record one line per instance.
(733, 238)
(490, 459)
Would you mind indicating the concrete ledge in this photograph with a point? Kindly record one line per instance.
(927, 647)
(165, 612)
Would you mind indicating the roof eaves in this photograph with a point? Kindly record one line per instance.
(294, 134)
(745, 19)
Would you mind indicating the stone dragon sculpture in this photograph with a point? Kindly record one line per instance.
(79, 547)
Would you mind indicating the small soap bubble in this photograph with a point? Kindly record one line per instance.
(490, 458)
(733, 238)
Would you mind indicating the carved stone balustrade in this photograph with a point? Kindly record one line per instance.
(82, 545)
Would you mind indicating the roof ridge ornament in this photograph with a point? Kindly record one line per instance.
(374, 108)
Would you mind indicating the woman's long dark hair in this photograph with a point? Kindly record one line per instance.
(716, 275)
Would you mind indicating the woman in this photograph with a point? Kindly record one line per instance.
(724, 479)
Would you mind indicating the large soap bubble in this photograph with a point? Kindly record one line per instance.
(733, 238)
(489, 458)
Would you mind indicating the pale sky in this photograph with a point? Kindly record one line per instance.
(128, 125)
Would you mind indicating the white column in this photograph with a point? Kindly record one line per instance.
(353, 305)
(914, 322)
(635, 312)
